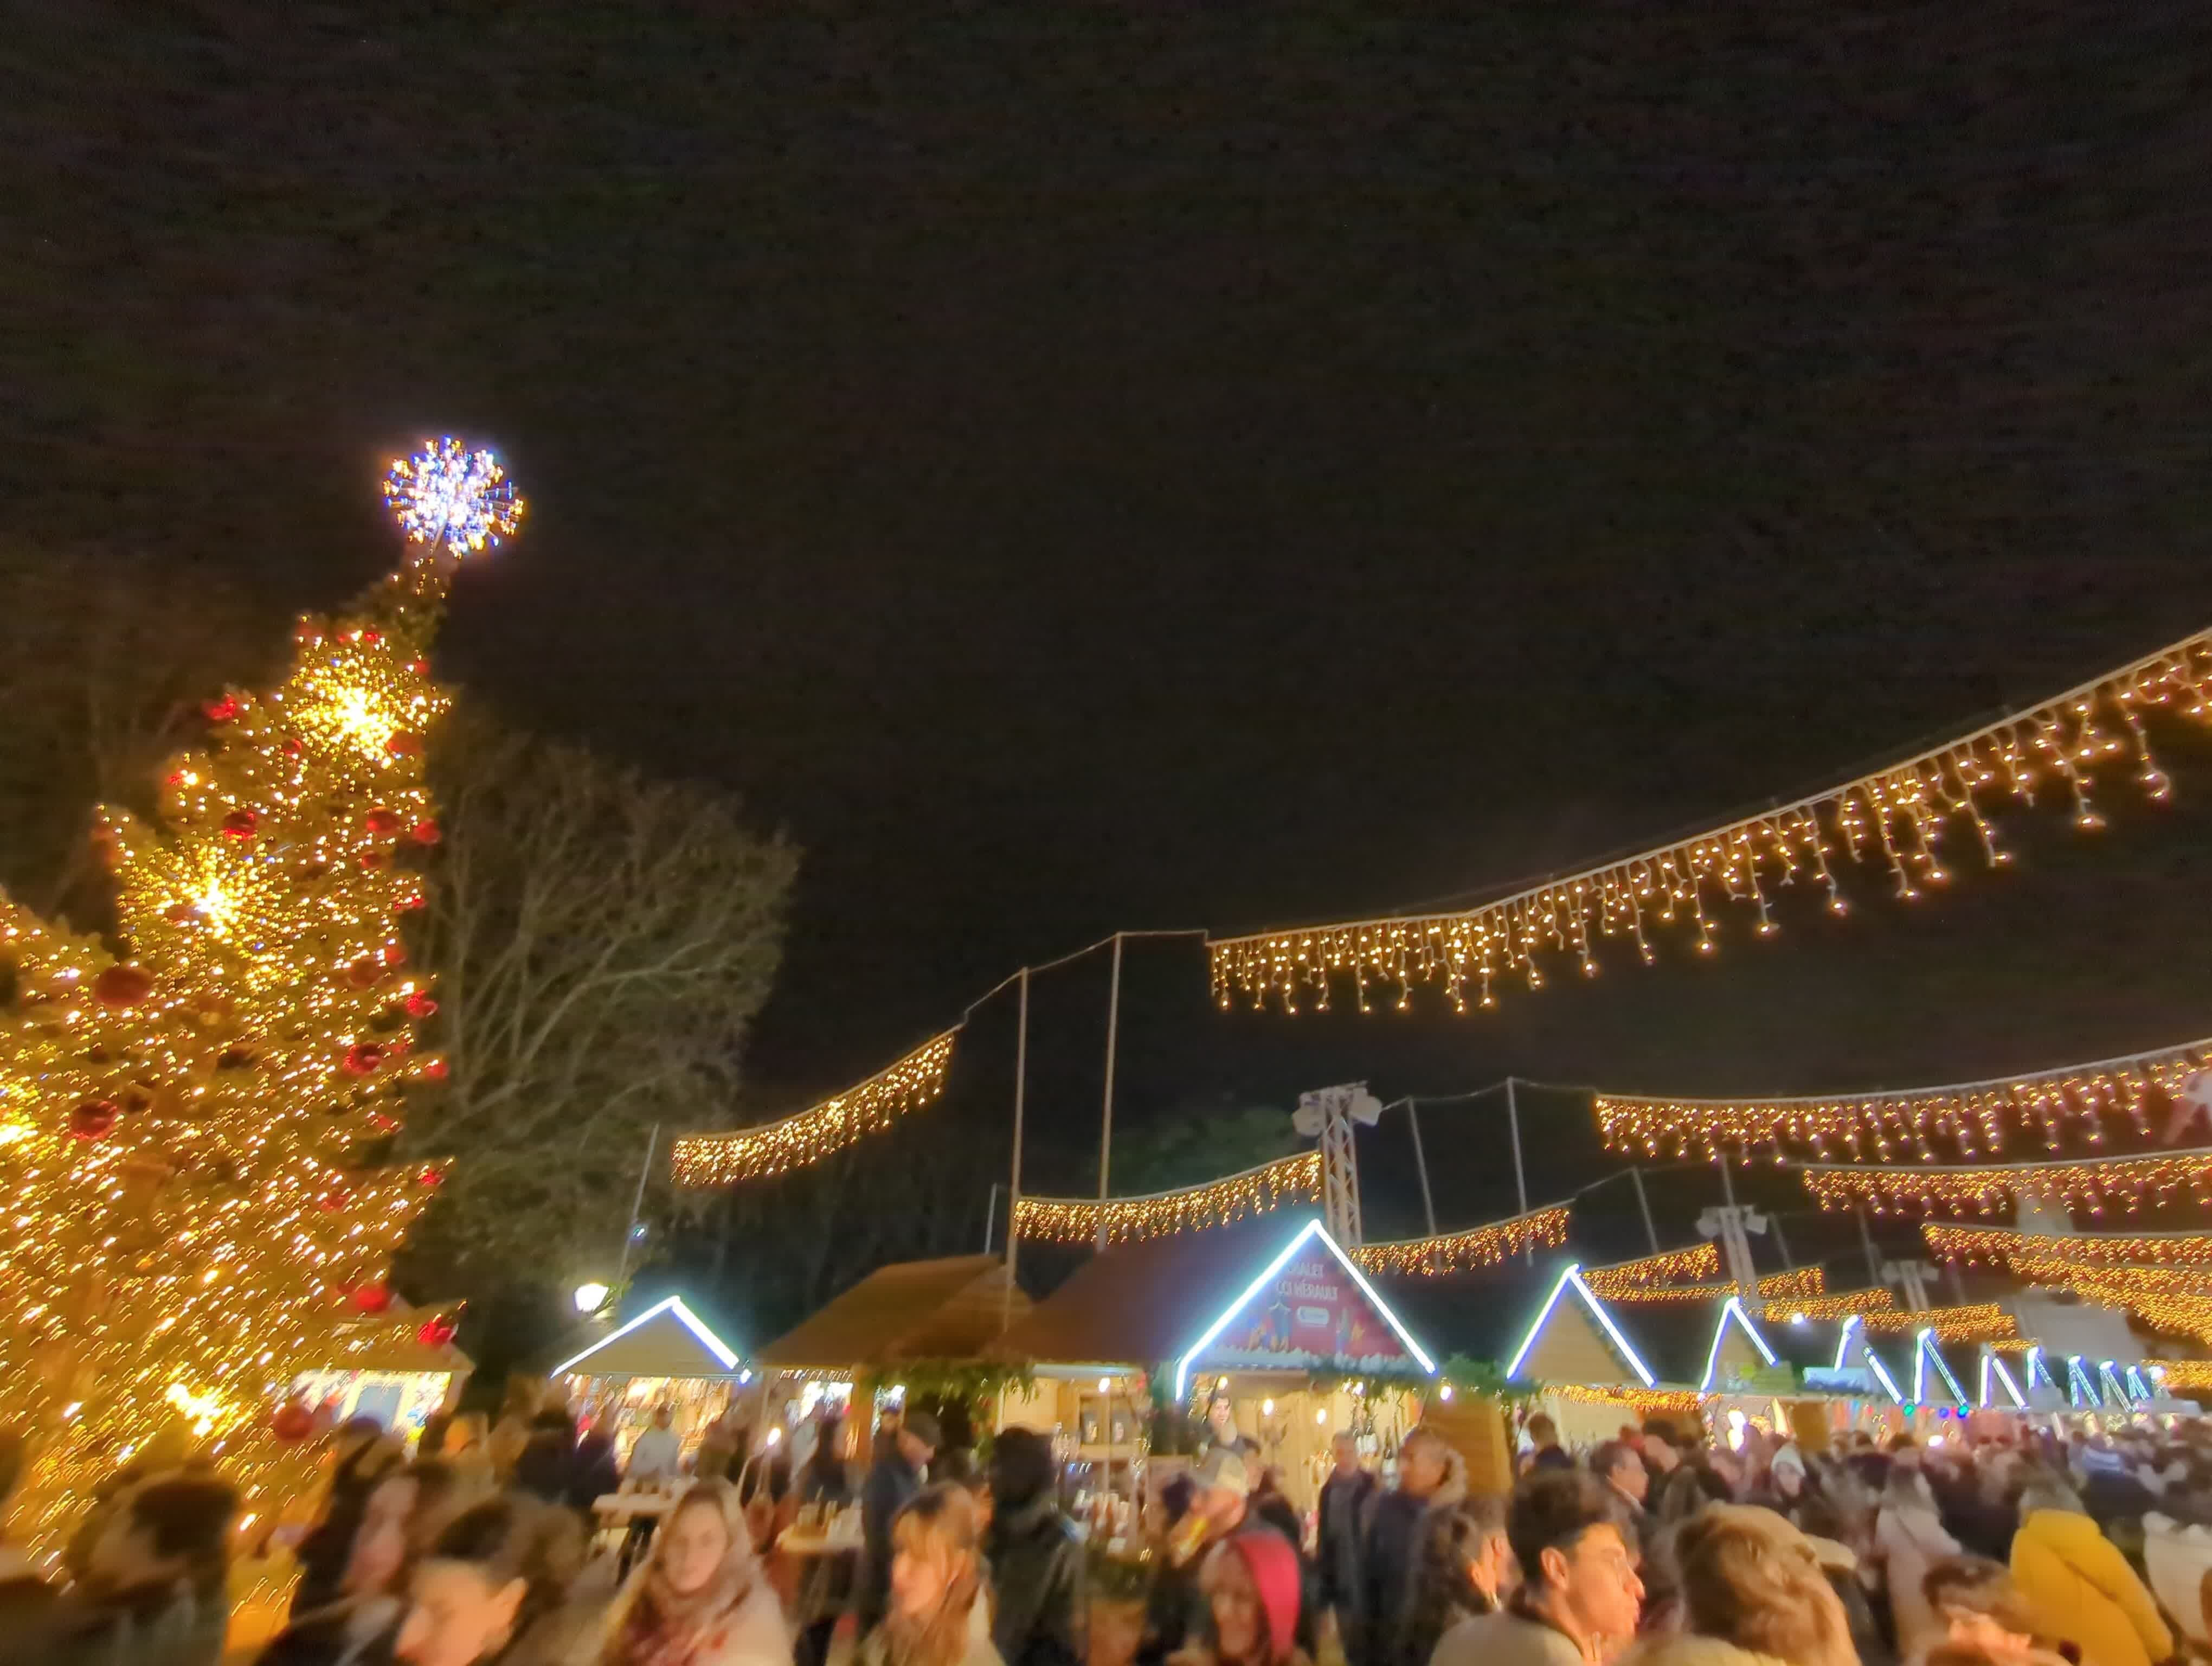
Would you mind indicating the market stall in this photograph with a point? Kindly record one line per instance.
(666, 1355)
(395, 1368)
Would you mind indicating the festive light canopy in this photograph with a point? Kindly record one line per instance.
(1974, 1114)
(808, 1136)
(2090, 1183)
(1670, 1276)
(1295, 1179)
(1841, 1305)
(1458, 1252)
(2001, 1246)
(2181, 1376)
(1979, 1321)
(1897, 817)
(191, 1133)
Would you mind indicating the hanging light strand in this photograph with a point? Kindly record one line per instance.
(2003, 1247)
(2089, 1185)
(1670, 1276)
(1295, 1179)
(807, 1136)
(1895, 818)
(1884, 1127)
(1460, 1252)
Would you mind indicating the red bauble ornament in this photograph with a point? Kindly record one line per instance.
(182, 913)
(362, 1058)
(220, 711)
(395, 954)
(292, 1422)
(372, 637)
(435, 1332)
(364, 972)
(426, 832)
(335, 1199)
(434, 1069)
(239, 824)
(382, 823)
(409, 905)
(420, 1006)
(372, 1297)
(371, 859)
(382, 1123)
(433, 1178)
(122, 985)
(420, 667)
(405, 744)
(94, 1119)
(292, 746)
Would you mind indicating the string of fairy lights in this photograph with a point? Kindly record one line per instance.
(2091, 1184)
(808, 1136)
(1657, 1277)
(1971, 1322)
(1464, 1251)
(1975, 1115)
(2004, 1246)
(1255, 1191)
(1896, 817)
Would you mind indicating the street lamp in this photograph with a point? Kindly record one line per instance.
(590, 1297)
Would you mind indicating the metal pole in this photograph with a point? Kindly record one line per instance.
(636, 1202)
(1774, 1224)
(1421, 1163)
(1644, 1204)
(990, 1217)
(1866, 1237)
(1106, 1114)
(1520, 1176)
(1728, 1186)
(1014, 1187)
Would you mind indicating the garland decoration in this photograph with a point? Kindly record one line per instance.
(1646, 1402)
(1456, 1252)
(2182, 1377)
(1294, 1179)
(2089, 1185)
(1670, 1276)
(1973, 1114)
(808, 1136)
(1978, 1321)
(1897, 817)
(2072, 1255)
(1803, 1284)
(1843, 1304)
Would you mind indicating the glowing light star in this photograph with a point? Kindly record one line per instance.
(450, 495)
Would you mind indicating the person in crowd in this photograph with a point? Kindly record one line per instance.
(1432, 1479)
(825, 1481)
(364, 1457)
(1783, 1486)
(937, 1613)
(430, 1439)
(466, 1450)
(1221, 1428)
(1981, 1608)
(1340, 1543)
(1752, 1593)
(511, 1433)
(1844, 1546)
(360, 1626)
(152, 1591)
(1983, 1524)
(896, 1482)
(1910, 1539)
(1674, 1488)
(1544, 1451)
(1578, 1598)
(658, 1453)
(1036, 1564)
(547, 1468)
(724, 1444)
(1274, 1506)
(700, 1598)
(596, 1470)
(1251, 1583)
(825, 1484)
(492, 1586)
(2077, 1587)
(1466, 1568)
(1220, 1504)
(1620, 1466)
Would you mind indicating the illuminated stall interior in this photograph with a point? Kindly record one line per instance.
(665, 1355)
(395, 1369)
(1269, 1311)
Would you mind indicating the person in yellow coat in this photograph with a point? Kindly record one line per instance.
(2079, 1588)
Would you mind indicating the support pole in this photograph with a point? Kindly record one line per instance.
(1421, 1165)
(1519, 1175)
(990, 1217)
(1774, 1225)
(1866, 1239)
(1644, 1203)
(1014, 1185)
(1106, 1109)
(636, 1203)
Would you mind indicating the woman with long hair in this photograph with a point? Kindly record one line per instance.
(493, 1586)
(700, 1598)
(1252, 1585)
(939, 1616)
(359, 1625)
(1751, 1590)
(1464, 1567)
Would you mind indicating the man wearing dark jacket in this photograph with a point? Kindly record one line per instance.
(1036, 1566)
(1431, 1476)
(890, 1486)
(1346, 1496)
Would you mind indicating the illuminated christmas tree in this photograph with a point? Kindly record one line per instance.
(189, 1127)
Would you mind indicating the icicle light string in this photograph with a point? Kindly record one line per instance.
(1978, 1321)
(1896, 817)
(2003, 1247)
(1255, 1191)
(1882, 1126)
(1458, 1252)
(793, 1142)
(1660, 1277)
(2089, 1184)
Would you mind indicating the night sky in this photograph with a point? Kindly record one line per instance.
(1082, 470)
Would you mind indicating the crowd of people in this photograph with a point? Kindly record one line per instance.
(1653, 1548)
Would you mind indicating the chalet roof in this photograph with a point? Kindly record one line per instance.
(667, 1340)
(946, 1308)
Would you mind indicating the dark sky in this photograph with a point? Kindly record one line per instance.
(1092, 468)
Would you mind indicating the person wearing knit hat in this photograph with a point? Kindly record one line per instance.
(1251, 1581)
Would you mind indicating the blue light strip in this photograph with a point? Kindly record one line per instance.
(673, 1304)
(1844, 1339)
(1927, 1347)
(1733, 1308)
(2111, 1379)
(2079, 1389)
(2137, 1389)
(1312, 1229)
(2035, 1363)
(1572, 1279)
(2019, 1400)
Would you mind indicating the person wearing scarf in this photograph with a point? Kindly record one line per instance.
(700, 1598)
